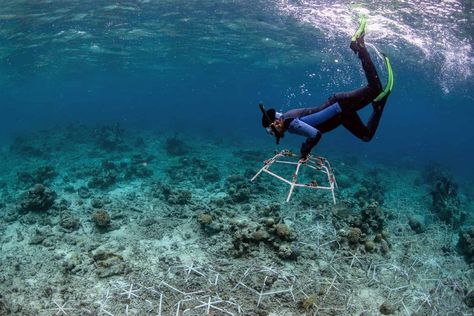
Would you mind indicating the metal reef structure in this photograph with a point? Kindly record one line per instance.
(316, 163)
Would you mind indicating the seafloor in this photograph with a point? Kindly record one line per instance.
(106, 221)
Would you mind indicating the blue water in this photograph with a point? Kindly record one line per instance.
(204, 66)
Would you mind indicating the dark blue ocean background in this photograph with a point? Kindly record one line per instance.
(201, 67)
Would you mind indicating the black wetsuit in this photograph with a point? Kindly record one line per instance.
(341, 108)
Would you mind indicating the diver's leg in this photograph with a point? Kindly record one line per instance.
(358, 46)
(353, 123)
(369, 69)
(372, 92)
(322, 116)
(354, 100)
(359, 98)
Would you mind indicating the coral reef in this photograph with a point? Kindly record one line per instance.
(38, 198)
(387, 308)
(238, 188)
(205, 219)
(308, 303)
(37, 237)
(356, 239)
(139, 171)
(134, 229)
(84, 192)
(278, 236)
(250, 155)
(110, 137)
(365, 221)
(42, 174)
(27, 148)
(345, 212)
(195, 170)
(139, 167)
(416, 224)
(466, 244)
(354, 236)
(371, 219)
(370, 191)
(108, 264)
(211, 175)
(105, 176)
(101, 219)
(178, 197)
(469, 299)
(69, 222)
(431, 173)
(446, 203)
(175, 146)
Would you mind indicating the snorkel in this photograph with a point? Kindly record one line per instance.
(271, 129)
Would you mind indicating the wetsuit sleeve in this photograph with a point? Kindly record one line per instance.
(312, 134)
(309, 144)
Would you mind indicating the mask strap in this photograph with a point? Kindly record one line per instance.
(262, 108)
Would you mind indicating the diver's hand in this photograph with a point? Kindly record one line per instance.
(303, 159)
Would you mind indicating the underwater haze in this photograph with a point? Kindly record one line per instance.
(129, 131)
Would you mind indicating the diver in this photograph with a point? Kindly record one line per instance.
(339, 109)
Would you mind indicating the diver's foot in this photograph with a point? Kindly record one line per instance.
(357, 39)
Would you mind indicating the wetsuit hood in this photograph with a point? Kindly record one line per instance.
(268, 116)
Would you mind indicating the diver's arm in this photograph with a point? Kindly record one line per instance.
(309, 144)
(312, 134)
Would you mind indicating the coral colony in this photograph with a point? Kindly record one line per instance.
(108, 221)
